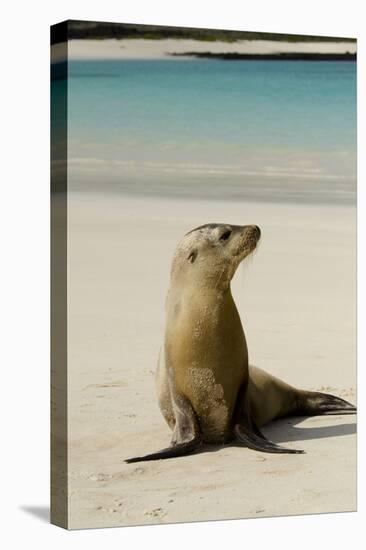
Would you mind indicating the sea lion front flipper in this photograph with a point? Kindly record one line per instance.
(247, 432)
(253, 441)
(186, 435)
(313, 403)
(180, 449)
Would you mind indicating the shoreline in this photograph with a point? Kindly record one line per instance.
(81, 193)
(84, 49)
(294, 200)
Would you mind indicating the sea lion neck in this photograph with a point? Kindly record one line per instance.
(203, 295)
(215, 286)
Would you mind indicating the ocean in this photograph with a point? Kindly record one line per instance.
(236, 130)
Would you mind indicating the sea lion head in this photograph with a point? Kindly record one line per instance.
(210, 254)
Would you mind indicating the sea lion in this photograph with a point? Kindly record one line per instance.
(207, 391)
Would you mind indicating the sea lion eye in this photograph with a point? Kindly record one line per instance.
(225, 236)
(192, 256)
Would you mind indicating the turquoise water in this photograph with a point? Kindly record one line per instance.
(271, 130)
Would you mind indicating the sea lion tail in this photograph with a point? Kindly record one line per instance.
(258, 442)
(312, 403)
(180, 449)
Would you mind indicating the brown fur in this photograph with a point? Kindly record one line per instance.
(207, 392)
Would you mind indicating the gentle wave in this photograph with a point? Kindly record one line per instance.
(209, 169)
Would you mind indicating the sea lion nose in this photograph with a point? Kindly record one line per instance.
(254, 230)
(257, 231)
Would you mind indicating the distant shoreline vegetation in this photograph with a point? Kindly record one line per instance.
(302, 56)
(99, 31)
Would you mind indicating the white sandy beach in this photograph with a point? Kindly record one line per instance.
(155, 49)
(296, 298)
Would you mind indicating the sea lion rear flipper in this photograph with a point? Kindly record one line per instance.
(186, 435)
(312, 403)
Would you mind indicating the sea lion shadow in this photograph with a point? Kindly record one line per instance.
(285, 430)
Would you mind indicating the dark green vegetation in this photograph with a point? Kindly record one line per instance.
(301, 56)
(100, 30)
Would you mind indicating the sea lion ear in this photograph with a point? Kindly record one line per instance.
(193, 255)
